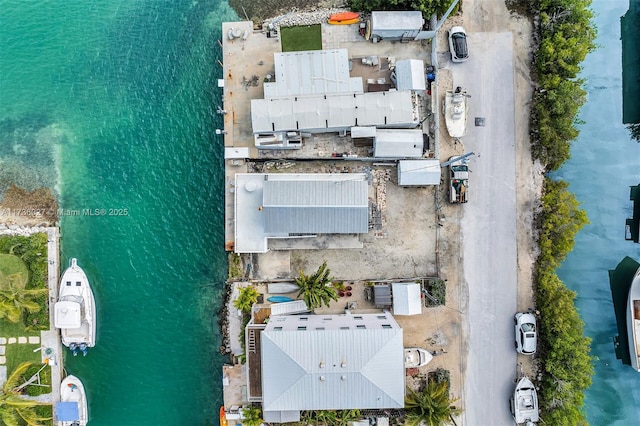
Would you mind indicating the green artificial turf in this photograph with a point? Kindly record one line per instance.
(303, 37)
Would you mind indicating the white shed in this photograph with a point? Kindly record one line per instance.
(424, 172)
(406, 298)
(409, 74)
(396, 25)
(398, 143)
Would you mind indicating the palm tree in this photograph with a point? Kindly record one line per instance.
(315, 288)
(14, 409)
(251, 416)
(431, 406)
(14, 301)
(248, 296)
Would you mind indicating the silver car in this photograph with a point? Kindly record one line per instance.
(458, 44)
(526, 333)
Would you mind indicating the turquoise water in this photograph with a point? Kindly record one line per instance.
(113, 102)
(605, 162)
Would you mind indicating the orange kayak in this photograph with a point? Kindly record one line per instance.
(344, 16)
(344, 22)
(223, 417)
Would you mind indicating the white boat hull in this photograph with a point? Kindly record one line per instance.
(75, 311)
(72, 391)
(282, 288)
(455, 113)
(633, 321)
(416, 357)
(524, 402)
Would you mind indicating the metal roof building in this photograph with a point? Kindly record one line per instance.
(312, 72)
(281, 204)
(410, 75)
(335, 112)
(398, 143)
(331, 362)
(419, 172)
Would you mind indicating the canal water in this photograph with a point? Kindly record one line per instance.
(113, 103)
(605, 162)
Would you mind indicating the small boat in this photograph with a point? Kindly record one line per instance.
(282, 288)
(524, 403)
(72, 410)
(416, 357)
(633, 321)
(344, 16)
(344, 21)
(455, 112)
(223, 417)
(279, 299)
(75, 310)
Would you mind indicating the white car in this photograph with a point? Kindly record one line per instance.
(526, 333)
(458, 44)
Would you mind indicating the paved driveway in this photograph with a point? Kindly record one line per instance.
(489, 228)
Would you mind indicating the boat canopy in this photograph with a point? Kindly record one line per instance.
(67, 411)
(68, 314)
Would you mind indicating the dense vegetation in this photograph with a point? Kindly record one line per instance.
(566, 35)
(427, 7)
(565, 351)
(31, 301)
(431, 404)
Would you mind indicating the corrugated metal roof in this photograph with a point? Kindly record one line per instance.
(410, 74)
(396, 20)
(316, 206)
(326, 113)
(419, 172)
(333, 368)
(312, 72)
(398, 143)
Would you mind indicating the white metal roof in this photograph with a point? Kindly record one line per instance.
(327, 362)
(406, 298)
(410, 75)
(397, 20)
(343, 211)
(312, 72)
(419, 172)
(398, 143)
(334, 112)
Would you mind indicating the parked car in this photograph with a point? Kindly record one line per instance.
(526, 333)
(458, 44)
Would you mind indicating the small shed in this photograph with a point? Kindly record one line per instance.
(398, 143)
(406, 299)
(409, 74)
(396, 25)
(424, 172)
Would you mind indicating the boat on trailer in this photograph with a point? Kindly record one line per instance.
(524, 403)
(633, 321)
(75, 310)
(455, 112)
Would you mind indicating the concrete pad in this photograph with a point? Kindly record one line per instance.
(3, 374)
(22, 340)
(2, 350)
(34, 340)
(12, 340)
(3, 359)
(3, 340)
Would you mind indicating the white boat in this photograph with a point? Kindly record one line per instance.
(75, 311)
(282, 288)
(416, 357)
(524, 403)
(72, 410)
(455, 112)
(633, 321)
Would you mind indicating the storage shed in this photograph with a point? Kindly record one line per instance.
(406, 299)
(409, 75)
(398, 143)
(398, 25)
(419, 172)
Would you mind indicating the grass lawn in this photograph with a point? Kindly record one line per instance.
(303, 37)
(13, 271)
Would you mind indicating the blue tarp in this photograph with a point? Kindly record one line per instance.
(67, 411)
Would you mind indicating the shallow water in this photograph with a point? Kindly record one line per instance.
(113, 103)
(605, 162)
